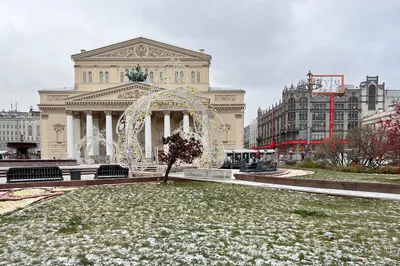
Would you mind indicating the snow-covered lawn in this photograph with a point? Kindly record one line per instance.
(200, 223)
(315, 173)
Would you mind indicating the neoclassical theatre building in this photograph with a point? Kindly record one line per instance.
(102, 92)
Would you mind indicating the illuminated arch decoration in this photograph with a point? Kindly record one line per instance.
(207, 125)
(81, 150)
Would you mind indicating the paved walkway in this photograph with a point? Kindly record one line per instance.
(333, 192)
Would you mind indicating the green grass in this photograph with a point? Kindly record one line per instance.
(196, 223)
(346, 176)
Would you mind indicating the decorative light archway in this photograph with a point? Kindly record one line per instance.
(207, 126)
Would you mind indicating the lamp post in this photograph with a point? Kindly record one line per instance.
(310, 86)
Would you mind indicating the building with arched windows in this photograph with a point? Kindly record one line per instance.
(102, 92)
(284, 125)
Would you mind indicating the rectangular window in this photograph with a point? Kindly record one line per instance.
(352, 124)
(302, 125)
(339, 115)
(338, 125)
(303, 115)
(339, 106)
(291, 116)
(353, 115)
(318, 135)
(84, 77)
(106, 77)
(318, 115)
(318, 125)
(101, 77)
(198, 77)
(319, 106)
(90, 77)
(121, 77)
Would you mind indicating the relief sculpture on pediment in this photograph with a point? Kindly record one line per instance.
(136, 94)
(140, 50)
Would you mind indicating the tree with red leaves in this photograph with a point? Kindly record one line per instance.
(368, 145)
(179, 150)
(331, 151)
(391, 126)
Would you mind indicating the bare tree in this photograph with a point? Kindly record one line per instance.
(179, 150)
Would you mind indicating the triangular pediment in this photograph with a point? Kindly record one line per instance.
(140, 48)
(125, 92)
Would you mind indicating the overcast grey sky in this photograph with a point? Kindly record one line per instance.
(258, 46)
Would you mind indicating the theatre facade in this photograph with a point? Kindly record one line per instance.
(102, 92)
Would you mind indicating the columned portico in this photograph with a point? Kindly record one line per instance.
(167, 124)
(70, 134)
(89, 132)
(186, 121)
(77, 127)
(147, 138)
(109, 132)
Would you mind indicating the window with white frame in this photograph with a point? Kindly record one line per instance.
(192, 77)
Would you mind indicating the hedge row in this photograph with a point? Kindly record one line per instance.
(352, 168)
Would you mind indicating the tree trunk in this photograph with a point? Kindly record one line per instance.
(167, 172)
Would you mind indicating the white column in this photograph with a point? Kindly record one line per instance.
(89, 132)
(167, 124)
(185, 122)
(70, 135)
(109, 132)
(147, 137)
(77, 128)
(96, 144)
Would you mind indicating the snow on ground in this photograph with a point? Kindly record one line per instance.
(200, 223)
(296, 172)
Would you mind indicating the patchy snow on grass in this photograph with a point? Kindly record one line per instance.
(11, 205)
(201, 223)
(296, 172)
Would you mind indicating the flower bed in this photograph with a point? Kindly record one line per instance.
(193, 223)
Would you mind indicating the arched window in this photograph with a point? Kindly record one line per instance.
(30, 131)
(372, 97)
(84, 77)
(151, 77)
(90, 77)
(101, 77)
(192, 77)
(353, 103)
(198, 76)
(303, 103)
(106, 77)
(176, 77)
(181, 76)
(161, 76)
(292, 104)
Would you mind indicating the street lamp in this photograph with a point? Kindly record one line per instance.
(309, 85)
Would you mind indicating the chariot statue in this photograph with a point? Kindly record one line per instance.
(136, 74)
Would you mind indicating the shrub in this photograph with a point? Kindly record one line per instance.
(290, 162)
(313, 164)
